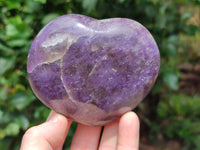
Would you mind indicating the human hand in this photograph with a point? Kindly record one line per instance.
(122, 134)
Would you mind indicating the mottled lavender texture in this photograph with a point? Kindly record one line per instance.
(92, 70)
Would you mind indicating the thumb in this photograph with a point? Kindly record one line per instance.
(48, 135)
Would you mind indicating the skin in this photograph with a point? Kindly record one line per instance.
(122, 134)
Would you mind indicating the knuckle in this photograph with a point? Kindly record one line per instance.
(31, 132)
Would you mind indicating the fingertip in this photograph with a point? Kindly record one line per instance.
(129, 126)
(130, 118)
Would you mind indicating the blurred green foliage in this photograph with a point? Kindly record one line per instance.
(179, 118)
(21, 20)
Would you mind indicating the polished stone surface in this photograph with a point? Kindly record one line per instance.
(92, 70)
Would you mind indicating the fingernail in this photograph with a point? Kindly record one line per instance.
(53, 118)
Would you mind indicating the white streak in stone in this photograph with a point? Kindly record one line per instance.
(66, 89)
(96, 30)
(110, 78)
(113, 69)
(104, 57)
(92, 71)
(54, 40)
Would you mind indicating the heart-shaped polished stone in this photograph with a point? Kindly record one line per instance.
(92, 71)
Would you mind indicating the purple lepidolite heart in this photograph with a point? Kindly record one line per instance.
(92, 71)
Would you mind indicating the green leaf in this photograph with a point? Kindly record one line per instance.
(31, 7)
(187, 15)
(42, 111)
(5, 143)
(13, 4)
(170, 49)
(16, 28)
(192, 29)
(49, 17)
(163, 109)
(41, 1)
(89, 5)
(173, 39)
(157, 88)
(171, 80)
(1, 115)
(5, 116)
(3, 95)
(12, 129)
(150, 11)
(5, 49)
(161, 22)
(197, 138)
(6, 64)
(3, 81)
(11, 30)
(2, 133)
(22, 121)
(17, 42)
(121, 1)
(20, 100)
